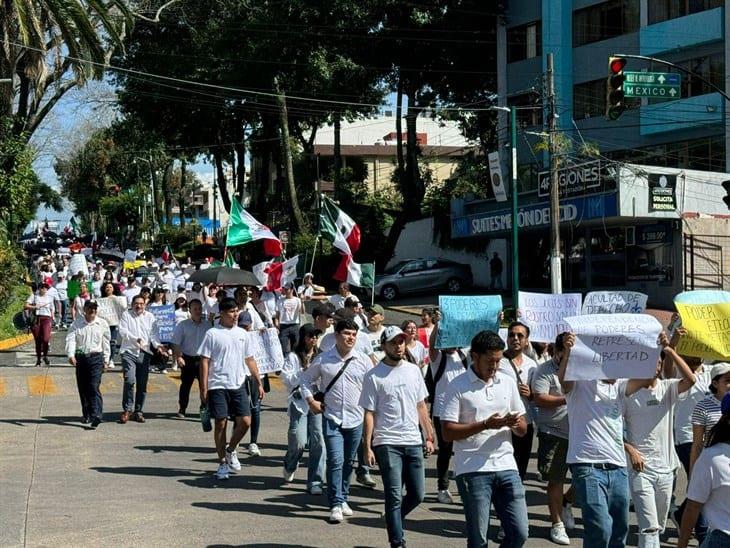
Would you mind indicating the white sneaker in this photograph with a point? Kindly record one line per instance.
(232, 459)
(566, 514)
(558, 534)
(222, 472)
(346, 510)
(288, 476)
(254, 450)
(110, 366)
(336, 514)
(444, 497)
(175, 368)
(315, 490)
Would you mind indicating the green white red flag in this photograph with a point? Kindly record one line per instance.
(337, 227)
(243, 229)
(361, 275)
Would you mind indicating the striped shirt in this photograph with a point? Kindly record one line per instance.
(707, 413)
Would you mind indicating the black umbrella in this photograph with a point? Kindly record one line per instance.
(224, 275)
(109, 255)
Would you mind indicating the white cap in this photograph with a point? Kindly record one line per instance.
(390, 333)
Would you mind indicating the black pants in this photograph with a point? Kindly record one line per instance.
(188, 374)
(444, 456)
(523, 449)
(288, 334)
(88, 378)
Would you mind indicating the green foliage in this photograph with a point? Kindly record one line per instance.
(12, 304)
(120, 211)
(178, 237)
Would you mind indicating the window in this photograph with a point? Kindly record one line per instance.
(589, 99)
(605, 20)
(531, 115)
(707, 154)
(710, 67)
(524, 42)
(663, 10)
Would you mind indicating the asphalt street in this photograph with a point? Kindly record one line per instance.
(152, 484)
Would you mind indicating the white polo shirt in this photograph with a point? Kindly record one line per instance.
(710, 485)
(469, 399)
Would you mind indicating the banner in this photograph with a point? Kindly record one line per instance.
(165, 316)
(613, 302)
(268, 355)
(543, 313)
(613, 346)
(495, 175)
(703, 296)
(130, 260)
(77, 265)
(464, 317)
(708, 330)
(661, 192)
(74, 288)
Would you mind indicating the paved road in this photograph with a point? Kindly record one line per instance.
(152, 484)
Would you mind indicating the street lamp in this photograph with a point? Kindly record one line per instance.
(154, 196)
(515, 244)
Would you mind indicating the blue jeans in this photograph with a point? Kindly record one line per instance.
(136, 370)
(603, 497)
(683, 451)
(341, 444)
(716, 539)
(504, 489)
(305, 428)
(399, 466)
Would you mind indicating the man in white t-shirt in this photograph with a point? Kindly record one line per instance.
(226, 359)
(394, 399)
(596, 453)
(374, 329)
(521, 368)
(482, 410)
(343, 293)
(649, 444)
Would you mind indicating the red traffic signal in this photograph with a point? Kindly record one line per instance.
(616, 64)
(614, 88)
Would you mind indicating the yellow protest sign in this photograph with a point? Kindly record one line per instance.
(708, 330)
(133, 265)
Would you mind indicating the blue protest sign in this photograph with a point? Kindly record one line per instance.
(464, 317)
(703, 296)
(165, 316)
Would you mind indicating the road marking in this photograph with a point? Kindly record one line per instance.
(175, 379)
(2, 387)
(38, 385)
(275, 382)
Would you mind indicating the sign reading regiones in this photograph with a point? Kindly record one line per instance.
(612, 302)
(165, 320)
(571, 180)
(268, 355)
(662, 192)
(613, 346)
(464, 317)
(543, 313)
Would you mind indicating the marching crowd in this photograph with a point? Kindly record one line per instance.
(362, 393)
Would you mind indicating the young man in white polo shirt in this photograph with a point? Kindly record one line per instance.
(226, 359)
(482, 409)
(394, 399)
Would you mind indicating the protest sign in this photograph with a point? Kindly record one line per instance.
(708, 330)
(613, 346)
(165, 316)
(543, 313)
(464, 317)
(703, 296)
(612, 302)
(77, 265)
(268, 355)
(74, 288)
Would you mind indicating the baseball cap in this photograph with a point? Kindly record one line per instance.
(323, 310)
(245, 319)
(60, 275)
(725, 405)
(391, 332)
(720, 369)
(375, 309)
(352, 301)
(308, 330)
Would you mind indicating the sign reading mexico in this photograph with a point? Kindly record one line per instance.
(464, 317)
(613, 346)
(611, 302)
(543, 313)
(706, 317)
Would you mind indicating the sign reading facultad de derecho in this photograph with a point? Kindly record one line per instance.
(571, 180)
(661, 192)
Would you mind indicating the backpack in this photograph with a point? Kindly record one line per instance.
(432, 380)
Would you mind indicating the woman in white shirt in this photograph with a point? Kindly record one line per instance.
(288, 312)
(110, 309)
(415, 351)
(79, 300)
(42, 306)
(305, 428)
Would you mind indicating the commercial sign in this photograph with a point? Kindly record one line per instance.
(572, 180)
(661, 192)
(495, 175)
(657, 85)
(534, 216)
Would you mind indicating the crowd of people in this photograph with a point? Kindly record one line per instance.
(363, 393)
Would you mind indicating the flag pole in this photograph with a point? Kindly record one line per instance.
(372, 289)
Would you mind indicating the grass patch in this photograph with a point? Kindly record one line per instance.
(9, 309)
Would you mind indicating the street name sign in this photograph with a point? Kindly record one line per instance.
(658, 85)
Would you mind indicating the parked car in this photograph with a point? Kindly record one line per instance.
(416, 275)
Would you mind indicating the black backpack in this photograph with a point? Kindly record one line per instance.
(432, 380)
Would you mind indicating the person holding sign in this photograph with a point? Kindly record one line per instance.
(649, 444)
(482, 410)
(596, 454)
(111, 308)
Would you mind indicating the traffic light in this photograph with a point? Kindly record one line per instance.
(614, 88)
(726, 199)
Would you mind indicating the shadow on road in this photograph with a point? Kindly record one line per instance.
(74, 422)
(149, 471)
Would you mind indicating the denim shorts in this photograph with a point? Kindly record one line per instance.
(552, 452)
(224, 403)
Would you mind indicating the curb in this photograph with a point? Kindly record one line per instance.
(12, 342)
(404, 309)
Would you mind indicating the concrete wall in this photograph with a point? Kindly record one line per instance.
(416, 241)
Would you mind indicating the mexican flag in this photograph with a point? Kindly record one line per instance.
(338, 228)
(275, 275)
(361, 275)
(243, 229)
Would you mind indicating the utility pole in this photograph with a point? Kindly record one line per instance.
(556, 274)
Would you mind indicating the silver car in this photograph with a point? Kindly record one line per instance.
(422, 275)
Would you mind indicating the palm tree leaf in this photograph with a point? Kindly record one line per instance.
(29, 25)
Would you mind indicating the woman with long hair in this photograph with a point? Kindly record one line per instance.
(111, 306)
(41, 304)
(304, 426)
(415, 351)
(79, 300)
